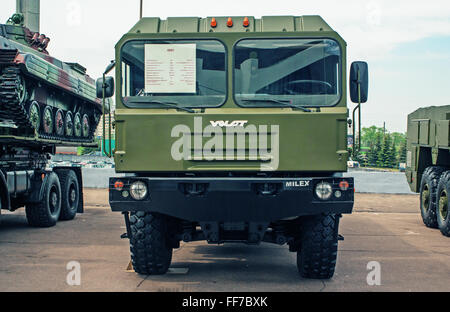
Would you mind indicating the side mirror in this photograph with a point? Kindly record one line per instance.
(108, 85)
(359, 76)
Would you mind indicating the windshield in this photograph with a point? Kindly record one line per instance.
(185, 73)
(302, 72)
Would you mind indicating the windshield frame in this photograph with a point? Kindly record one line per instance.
(274, 105)
(130, 104)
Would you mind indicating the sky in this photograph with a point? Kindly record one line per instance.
(406, 43)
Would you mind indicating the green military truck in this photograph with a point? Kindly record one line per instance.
(232, 129)
(428, 164)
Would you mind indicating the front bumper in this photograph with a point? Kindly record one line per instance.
(232, 199)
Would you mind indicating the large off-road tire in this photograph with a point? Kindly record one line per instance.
(46, 213)
(428, 195)
(317, 256)
(70, 192)
(151, 253)
(442, 207)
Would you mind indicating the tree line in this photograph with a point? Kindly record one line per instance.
(381, 149)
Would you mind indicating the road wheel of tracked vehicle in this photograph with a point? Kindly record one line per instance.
(70, 194)
(21, 89)
(318, 246)
(442, 207)
(34, 114)
(428, 195)
(69, 124)
(151, 253)
(47, 120)
(46, 213)
(77, 125)
(59, 123)
(86, 126)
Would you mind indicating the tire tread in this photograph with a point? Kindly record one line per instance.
(443, 225)
(150, 254)
(38, 215)
(432, 175)
(319, 245)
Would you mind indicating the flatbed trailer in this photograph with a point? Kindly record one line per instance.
(48, 194)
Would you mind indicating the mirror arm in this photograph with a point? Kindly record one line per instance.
(357, 108)
(354, 132)
(107, 153)
(359, 114)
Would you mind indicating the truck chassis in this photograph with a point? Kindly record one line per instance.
(48, 195)
(221, 210)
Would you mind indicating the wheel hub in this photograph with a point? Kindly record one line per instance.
(443, 205)
(53, 200)
(426, 198)
(73, 195)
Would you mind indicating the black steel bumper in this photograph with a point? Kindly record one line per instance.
(232, 199)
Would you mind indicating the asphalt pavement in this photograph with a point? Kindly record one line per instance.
(386, 229)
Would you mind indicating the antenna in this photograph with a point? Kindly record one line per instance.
(141, 8)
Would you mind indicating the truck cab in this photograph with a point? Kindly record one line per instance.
(232, 129)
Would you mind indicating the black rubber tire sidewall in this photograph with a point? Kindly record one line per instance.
(443, 225)
(68, 179)
(40, 215)
(431, 177)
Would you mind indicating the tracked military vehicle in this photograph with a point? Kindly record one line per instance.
(41, 96)
(44, 103)
(233, 129)
(428, 164)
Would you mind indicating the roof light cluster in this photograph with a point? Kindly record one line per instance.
(245, 23)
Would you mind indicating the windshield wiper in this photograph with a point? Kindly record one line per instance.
(165, 103)
(286, 103)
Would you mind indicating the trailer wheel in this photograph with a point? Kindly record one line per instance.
(428, 195)
(70, 192)
(151, 253)
(46, 213)
(442, 207)
(317, 256)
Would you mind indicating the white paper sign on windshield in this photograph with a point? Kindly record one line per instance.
(170, 68)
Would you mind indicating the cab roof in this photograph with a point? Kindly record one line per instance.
(308, 23)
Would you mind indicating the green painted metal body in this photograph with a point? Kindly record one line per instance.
(313, 141)
(428, 142)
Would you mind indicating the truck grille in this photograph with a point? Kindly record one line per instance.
(250, 148)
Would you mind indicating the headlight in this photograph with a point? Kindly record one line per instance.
(138, 190)
(324, 190)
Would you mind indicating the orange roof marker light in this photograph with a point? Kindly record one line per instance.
(246, 22)
(213, 22)
(230, 22)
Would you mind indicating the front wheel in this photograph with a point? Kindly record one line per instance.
(151, 253)
(317, 256)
